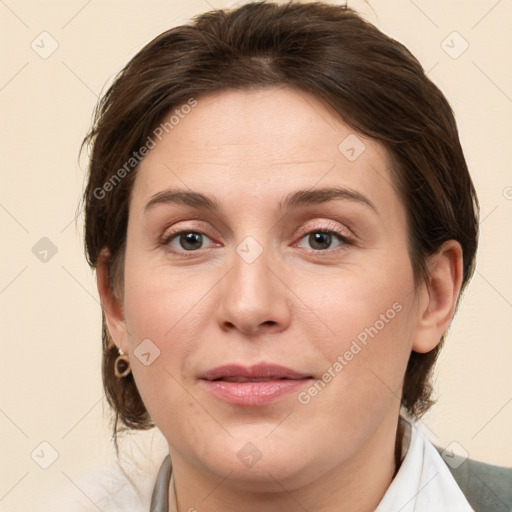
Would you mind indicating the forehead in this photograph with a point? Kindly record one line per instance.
(254, 143)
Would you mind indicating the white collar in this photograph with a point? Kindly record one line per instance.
(423, 482)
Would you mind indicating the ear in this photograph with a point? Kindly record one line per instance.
(111, 304)
(437, 298)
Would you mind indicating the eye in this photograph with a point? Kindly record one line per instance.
(322, 239)
(188, 241)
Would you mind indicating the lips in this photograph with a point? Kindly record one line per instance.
(256, 385)
(259, 372)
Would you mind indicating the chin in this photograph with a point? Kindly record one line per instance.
(259, 463)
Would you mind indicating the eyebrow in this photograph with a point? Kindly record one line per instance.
(293, 200)
(324, 195)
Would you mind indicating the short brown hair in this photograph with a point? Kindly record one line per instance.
(369, 80)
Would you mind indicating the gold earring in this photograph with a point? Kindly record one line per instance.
(122, 365)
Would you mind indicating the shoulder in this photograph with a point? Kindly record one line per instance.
(487, 487)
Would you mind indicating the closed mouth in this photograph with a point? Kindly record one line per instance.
(262, 372)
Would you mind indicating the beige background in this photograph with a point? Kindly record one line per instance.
(50, 330)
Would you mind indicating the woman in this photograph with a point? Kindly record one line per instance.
(282, 222)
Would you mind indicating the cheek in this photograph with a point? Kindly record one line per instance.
(166, 316)
(355, 304)
(168, 309)
(370, 320)
(363, 367)
(160, 302)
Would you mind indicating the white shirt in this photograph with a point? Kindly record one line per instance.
(423, 482)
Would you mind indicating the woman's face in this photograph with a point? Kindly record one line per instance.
(266, 235)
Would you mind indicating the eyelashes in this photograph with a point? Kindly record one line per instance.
(190, 242)
(326, 237)
(183, 236)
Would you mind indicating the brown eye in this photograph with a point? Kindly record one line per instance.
(186, 241)
(322, 240)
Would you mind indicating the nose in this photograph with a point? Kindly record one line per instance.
(252, 298)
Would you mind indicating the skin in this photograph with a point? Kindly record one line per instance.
(297, 304)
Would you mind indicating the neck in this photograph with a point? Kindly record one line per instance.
(355, 485)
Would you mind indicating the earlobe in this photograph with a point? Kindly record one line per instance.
(437, 298)
(111, 305)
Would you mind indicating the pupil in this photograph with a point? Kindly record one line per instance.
(322, 239)
(190, 240)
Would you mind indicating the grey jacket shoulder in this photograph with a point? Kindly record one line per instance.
(487, 487)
